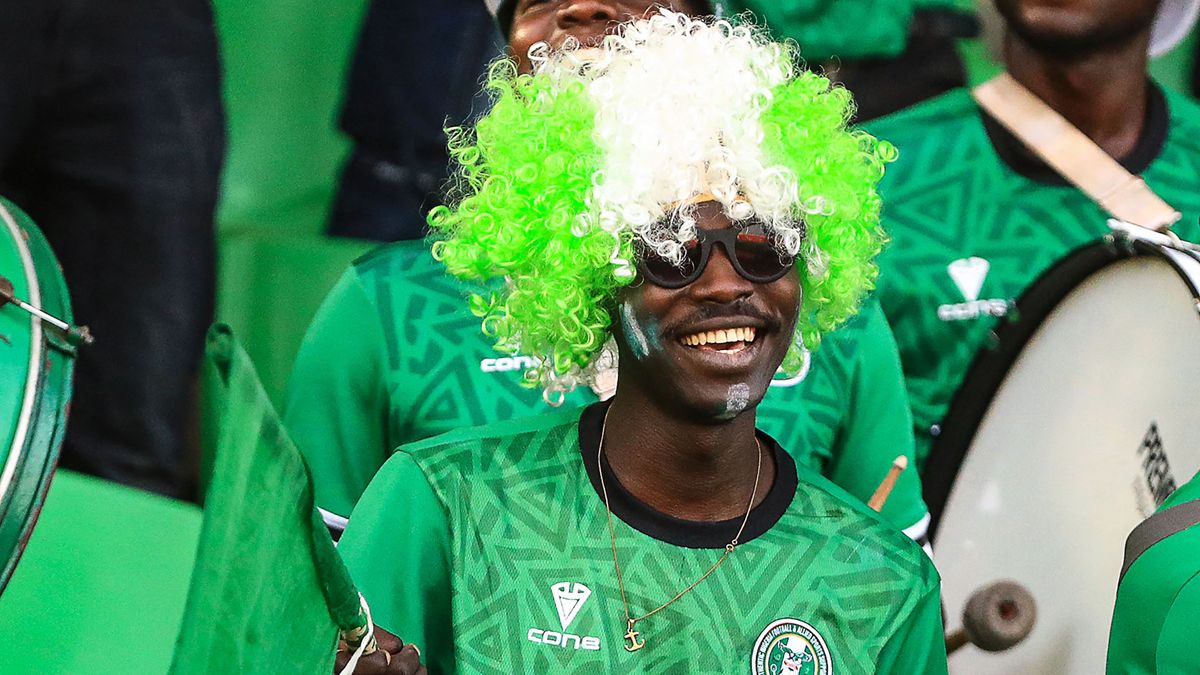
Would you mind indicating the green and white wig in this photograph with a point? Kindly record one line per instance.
(583, 157)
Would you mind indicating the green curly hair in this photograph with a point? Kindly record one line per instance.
(579, 160)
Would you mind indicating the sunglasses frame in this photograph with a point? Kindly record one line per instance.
(727, 239)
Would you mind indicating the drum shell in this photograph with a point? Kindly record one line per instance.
(1062, 439)
(36, 368)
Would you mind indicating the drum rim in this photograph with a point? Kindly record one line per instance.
(21, 506)
(16, 450)
(991, 367)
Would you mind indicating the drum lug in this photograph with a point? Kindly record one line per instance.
(74, 335)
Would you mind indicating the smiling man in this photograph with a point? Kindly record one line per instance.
(687, 196)
(395, 356)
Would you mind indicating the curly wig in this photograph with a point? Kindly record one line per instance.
(577, 161)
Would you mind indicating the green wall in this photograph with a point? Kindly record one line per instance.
(284, 63)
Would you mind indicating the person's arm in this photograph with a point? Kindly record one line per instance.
(397, 548)
(879, 428)
(919, 645)
(337, 398)
(1178, 650)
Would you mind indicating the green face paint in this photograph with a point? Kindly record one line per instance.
(635, 336)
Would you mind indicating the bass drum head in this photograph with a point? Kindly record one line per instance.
(1061, 441)
(35, 381)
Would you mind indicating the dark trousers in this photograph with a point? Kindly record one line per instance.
(417, 67)
(112, 137)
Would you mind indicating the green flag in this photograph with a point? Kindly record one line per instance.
(269, 592)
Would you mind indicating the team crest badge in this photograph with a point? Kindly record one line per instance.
(790, 647)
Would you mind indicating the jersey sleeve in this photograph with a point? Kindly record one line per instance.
(1178, 650)
(879, 428)
(337, 397)
(397, 548)
(919, 646)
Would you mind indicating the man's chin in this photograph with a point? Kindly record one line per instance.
(718, 405)
(1067, 33)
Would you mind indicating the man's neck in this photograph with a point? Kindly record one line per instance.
(1103, 94)
(685, 468)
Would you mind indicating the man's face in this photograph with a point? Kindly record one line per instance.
(588, 21)
(1077, 27)
(747, 328)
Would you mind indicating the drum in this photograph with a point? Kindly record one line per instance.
(1063, 438)
(35, 377)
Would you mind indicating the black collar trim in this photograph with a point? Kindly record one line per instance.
(675, 531)
(1018, 158)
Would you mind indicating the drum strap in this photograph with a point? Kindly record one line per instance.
(1158, 527)
(1072, 154)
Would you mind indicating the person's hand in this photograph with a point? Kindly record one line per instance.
(393, 657)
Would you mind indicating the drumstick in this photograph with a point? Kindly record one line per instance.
(889, 482)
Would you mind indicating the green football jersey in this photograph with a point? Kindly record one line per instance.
(489, 549)
(394, 356)
(820, 26)
(975, 219)
(1158, 603)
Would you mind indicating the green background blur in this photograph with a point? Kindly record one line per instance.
(285, 61)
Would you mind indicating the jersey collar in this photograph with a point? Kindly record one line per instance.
(686, 533)
(1018, 158)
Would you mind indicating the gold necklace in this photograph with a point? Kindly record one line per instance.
(630, 634)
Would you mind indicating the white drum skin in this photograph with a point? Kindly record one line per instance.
(1057, 475)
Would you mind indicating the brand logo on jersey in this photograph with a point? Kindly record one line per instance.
(569, 598)
(507, 364)
(790, 647)
(968, 275)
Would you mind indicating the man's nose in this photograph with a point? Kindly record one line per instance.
(720, 282)
(583, 12)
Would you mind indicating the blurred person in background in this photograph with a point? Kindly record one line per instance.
(975, 216)
(891, 54)
(112, 139)
(417, 65)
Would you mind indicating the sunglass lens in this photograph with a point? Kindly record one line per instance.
(760, 261)
(667, 274)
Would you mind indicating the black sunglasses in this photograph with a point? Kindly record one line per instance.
(747, 246)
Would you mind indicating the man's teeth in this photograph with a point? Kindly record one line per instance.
(718, 337)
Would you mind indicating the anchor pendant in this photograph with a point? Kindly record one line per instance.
(632, 636)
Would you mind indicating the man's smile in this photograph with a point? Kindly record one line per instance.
(731, 349)
(729, 340)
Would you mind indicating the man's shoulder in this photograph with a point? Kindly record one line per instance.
(864, 325)
(955, 108)
(403, 256)
(1182, 109)
(504, 444)
(939, 142)
(412, 291)
(830, 508)
(1184, 125)
(836, 358)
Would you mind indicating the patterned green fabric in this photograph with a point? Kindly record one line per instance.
(1158, 604)
(394, 356)
(951, 200)
(474, 546)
